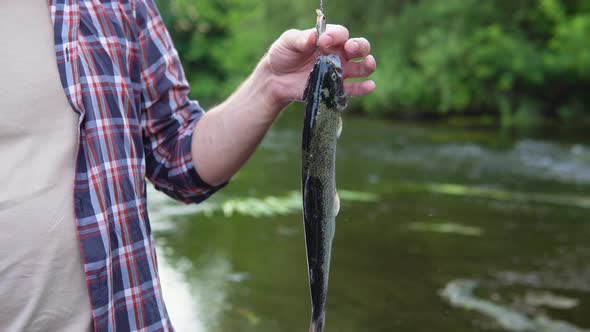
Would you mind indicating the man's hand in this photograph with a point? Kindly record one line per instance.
(228, 134)
(292, 56)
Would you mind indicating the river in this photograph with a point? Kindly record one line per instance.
(456, 227)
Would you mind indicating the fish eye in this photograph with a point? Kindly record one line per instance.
(334, 76)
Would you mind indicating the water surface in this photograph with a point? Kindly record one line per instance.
(426, 209)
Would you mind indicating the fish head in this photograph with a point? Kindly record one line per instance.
(333, 93)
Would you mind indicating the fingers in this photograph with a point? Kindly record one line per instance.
(362, 68)
(357, 48)
(336, 41)
(300, 41)
(333, 39)
(356, 89)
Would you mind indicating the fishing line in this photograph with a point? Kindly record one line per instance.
(320, 25)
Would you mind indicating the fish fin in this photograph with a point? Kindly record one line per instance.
(339, 130)
(341, 103)
(336, 203)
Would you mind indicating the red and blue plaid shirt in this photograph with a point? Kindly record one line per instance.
(121, 74)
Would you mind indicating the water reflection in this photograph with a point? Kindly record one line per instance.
(195, 303)
(460, 293)
(525, 158)
(426, 205)
(194, 291)
(184, 308)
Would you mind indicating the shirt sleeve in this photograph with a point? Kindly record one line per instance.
(168, 116)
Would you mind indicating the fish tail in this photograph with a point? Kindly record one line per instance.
(317, 324)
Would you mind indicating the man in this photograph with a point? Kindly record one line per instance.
(114, 111)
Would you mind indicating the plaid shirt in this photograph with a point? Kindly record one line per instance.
(122, 75)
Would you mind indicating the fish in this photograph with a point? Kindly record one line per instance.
(325, 100)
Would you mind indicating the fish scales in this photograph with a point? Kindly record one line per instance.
(322, 125)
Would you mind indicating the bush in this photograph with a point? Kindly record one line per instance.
(514, 58)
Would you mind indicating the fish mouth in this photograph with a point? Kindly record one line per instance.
(341, 102)
(335, 60)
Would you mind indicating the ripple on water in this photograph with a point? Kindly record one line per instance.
(529, 158)
(460, 293)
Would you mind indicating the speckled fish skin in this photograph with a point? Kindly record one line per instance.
(325, 99)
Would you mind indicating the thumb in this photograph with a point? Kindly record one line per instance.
(300, 41)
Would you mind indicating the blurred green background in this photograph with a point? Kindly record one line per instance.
(464, 178)
(519, 61)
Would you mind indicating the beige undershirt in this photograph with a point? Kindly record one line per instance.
(42, 285)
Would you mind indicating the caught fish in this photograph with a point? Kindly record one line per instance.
(322, 125)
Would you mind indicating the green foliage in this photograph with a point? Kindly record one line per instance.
(521, 59)
(282, 205)
(258, 207)
(444, 228)
(514, 57)
(206, 36)
(571, 200)
(265, 207)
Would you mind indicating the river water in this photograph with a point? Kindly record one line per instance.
(441, 228)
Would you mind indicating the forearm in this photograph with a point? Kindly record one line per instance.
(228, 134)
